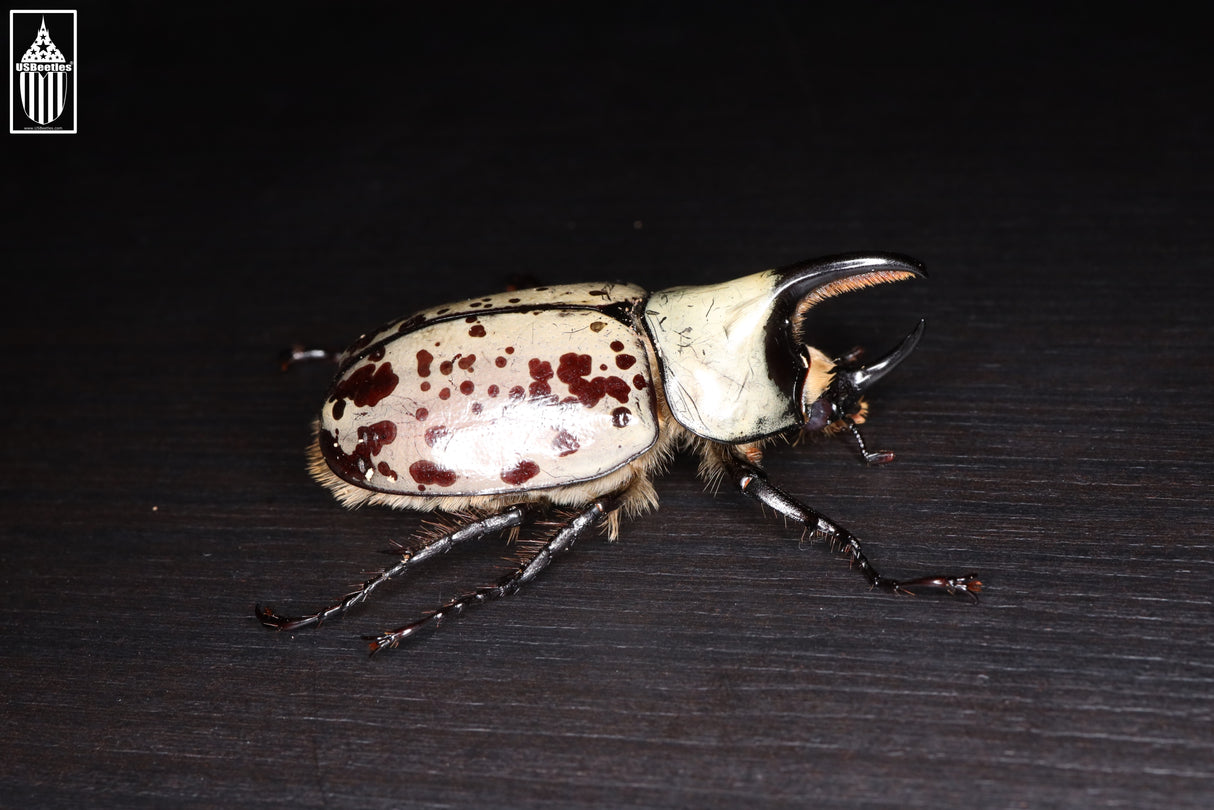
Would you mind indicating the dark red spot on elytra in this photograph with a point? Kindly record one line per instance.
(493, 390)
(386, 471)
(436, 434)
(446, 367)
(427, 472)
(354, 466)
(470, 319)
(540, 369)
(424, 361)
(445, 393)
(421, 414)
(565, 443)
(466, 362)
(541, 373)
(572, 371)
(620, 417)
(638, 382)
(350, 466)
(475, 407)
(425, 386)
(466, 387)
(509, 350)
(477, 331)
(523, 471)
(625, 361)
(517, 392)
(339, 408)
(572, 366)
(500, 362)
(617, 346)
(617, 389)
(377, 435)
(367, 385)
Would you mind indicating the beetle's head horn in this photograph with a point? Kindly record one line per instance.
(843, 396)
(833, 390)
(806, 284)
(728, 353)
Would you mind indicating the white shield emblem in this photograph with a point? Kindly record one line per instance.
(43, 92)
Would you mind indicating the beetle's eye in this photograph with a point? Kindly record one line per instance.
(820, 414)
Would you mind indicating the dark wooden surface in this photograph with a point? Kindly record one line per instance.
(245, 178)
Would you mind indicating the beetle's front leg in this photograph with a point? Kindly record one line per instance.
(506, 519)
(560, 542)
(870, 457)
(752, 481)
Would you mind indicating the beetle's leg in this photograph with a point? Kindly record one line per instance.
(507, 519)
(562, 541)
(299, 353)
(880, 457)
(752, 481)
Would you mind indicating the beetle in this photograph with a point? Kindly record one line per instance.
(571, 398)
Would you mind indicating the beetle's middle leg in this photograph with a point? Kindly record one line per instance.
(560, 542)
(506, 519)
(752, 481)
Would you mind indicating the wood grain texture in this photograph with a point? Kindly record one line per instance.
(1053, 428)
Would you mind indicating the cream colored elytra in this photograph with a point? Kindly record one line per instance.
(564, 394)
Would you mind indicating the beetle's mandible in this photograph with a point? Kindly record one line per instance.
(570, 398)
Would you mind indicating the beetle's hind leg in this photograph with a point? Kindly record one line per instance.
(561, 541)
(752, 481)
(506, 519)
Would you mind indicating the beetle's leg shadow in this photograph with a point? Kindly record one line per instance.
(752, 481)
(561, 541)
(506, 519)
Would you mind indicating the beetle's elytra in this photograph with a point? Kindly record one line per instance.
(571, 398)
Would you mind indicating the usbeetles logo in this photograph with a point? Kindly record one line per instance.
(42, 87)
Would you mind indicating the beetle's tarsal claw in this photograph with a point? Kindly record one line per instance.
(272, 620)
(969, 584)
(878, 457)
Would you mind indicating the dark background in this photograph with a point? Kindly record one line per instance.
(249, 176)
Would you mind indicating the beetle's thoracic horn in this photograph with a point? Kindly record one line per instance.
(863, 377)
(805, 284)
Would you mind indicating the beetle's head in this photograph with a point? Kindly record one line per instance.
(832, 395)
(733, 360)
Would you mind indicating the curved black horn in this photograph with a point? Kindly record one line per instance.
(863, 377)
(804, 284)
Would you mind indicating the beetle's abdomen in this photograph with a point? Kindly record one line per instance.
(491, 403)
